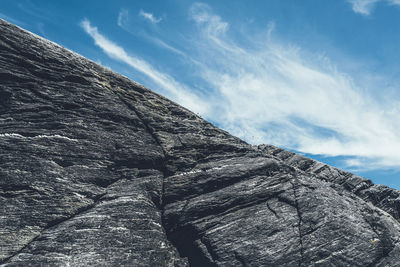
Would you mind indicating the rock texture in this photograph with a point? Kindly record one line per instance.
(96, 170)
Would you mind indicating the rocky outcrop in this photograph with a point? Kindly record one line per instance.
(98, 170)
(380, 196)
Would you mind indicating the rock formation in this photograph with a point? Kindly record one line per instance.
(96, 170)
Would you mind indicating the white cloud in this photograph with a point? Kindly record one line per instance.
(169, 86)
(267, 92)
(123, 17)
(365, 7)
(149, 16)
(213, 24)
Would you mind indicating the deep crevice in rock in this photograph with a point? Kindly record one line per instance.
(194, 257)
(189, 244)
(185, 249)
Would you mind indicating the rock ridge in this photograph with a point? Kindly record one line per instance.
(98, 170)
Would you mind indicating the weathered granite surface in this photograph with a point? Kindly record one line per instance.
(96, 170)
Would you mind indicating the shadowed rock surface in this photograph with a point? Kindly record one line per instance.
(96, 170)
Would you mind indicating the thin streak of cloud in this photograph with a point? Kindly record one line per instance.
(164, 45)
(123, 22)
(270, 29)
(123, 18)
(41, 30)
(169, 85)
(150, 17)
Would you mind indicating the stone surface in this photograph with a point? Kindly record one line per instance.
(96, 170)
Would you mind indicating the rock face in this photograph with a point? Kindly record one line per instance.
(96, 170)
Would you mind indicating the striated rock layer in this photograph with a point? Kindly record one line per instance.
(96, 170)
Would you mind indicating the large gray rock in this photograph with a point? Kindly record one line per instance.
(98, 170)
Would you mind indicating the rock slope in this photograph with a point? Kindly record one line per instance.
(96, 170)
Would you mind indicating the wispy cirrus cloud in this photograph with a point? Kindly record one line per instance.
(123, 17)
(167, 84)
(32, 9)
(365, 7)
(266, 91)
(123, 22)
(149, 16)
(269, 92)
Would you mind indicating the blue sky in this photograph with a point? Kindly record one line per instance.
(317, 77)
